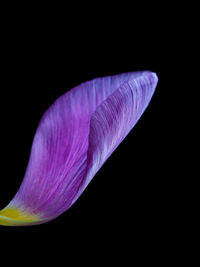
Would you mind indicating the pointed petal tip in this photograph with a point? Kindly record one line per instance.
(152, 76)
(148, 78)
(151, 79)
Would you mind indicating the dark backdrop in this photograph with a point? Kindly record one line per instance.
(130, 197)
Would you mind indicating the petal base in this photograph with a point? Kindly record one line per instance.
(13, 216)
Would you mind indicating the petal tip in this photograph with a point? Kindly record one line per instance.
(154, 78)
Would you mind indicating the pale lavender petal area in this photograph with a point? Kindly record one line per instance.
(113, 120)
(75, 137)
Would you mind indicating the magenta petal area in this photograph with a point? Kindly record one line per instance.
(75, 137)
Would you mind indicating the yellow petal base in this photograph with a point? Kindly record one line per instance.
(13, 216)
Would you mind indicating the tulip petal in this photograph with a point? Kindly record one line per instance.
(114, 119)
(74, 138)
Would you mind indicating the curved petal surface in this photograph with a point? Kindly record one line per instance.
(74, 138)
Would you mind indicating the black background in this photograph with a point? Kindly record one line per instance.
(130, 202)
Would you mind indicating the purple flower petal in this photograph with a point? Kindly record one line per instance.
(75, 137)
